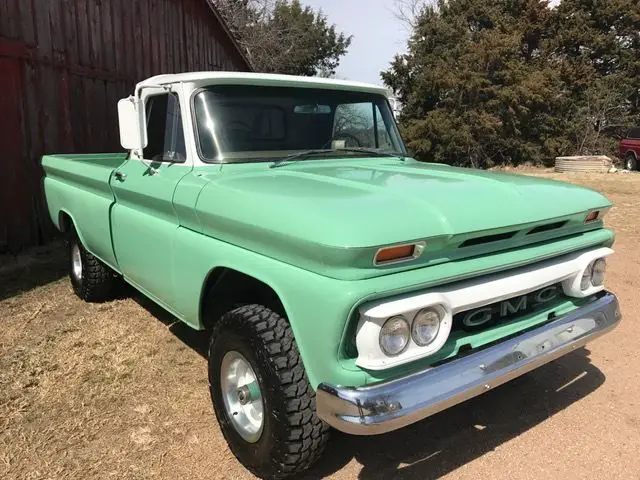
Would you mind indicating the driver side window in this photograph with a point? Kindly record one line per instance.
(164, 129)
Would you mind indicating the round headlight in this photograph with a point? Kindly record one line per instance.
(394, 336)
(585, 282)
(425, 327)
(597, 272)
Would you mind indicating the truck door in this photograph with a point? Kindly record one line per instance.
(143, 220)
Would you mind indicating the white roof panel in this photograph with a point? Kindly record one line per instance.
(262, 79)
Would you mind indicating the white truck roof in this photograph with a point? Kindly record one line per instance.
(262, 79)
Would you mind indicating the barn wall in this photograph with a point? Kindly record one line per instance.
(63, 66)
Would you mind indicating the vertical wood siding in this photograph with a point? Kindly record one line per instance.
(64, 64)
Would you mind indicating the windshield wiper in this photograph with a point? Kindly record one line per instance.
(300, 155)
(370, 151)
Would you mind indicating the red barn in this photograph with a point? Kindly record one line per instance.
(63, 66)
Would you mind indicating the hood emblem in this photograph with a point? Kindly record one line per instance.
(483, 317)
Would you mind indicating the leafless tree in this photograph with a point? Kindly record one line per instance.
(284, 37)
(244, 16)
(606, 106)
(407, 11)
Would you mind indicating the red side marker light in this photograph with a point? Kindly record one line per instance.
(592, 216)
(392, 254)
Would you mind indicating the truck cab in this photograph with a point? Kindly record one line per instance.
(341, 282)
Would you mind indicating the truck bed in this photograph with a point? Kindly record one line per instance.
(78, 186)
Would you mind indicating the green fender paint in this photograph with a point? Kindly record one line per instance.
(310, 230)
(144, 226)
(78, 185)
(331, 216)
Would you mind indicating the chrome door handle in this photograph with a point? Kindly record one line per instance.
(120, 175)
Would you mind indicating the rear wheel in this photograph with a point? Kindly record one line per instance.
(91, 279)
(264, 403)
(631, 162)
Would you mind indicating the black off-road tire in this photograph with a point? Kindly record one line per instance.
(631, 162)
(97, 282)
(293, 437)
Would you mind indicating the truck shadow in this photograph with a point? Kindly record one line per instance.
(442, 443)
(197, 340)
(33, 268)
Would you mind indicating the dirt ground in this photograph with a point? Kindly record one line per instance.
(119, 390)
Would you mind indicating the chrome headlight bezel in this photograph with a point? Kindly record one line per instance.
(598, 272)
(423, 317)
(593, 275)
(582, 283)
(585, 279)
(398, 321)
(372, 355)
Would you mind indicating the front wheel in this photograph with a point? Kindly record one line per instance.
(631, 163)
(262, 398)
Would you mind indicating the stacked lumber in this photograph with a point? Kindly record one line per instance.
(588, 163)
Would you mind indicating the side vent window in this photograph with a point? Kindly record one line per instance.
(164, 129)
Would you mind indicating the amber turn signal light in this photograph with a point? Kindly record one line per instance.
(592, 216)
(398, 253)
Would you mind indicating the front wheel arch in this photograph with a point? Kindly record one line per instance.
(226, 288)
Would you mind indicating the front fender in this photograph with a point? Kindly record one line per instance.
(317, 307)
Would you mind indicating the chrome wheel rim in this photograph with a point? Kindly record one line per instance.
(76, 262)
(242, 396)
(630, 163)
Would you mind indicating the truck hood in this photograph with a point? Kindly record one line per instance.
(323, 214)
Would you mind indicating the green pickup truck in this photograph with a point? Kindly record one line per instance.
(343, 284)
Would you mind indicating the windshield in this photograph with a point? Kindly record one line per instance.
(250, 124)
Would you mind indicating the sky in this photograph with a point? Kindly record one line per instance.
(377, 35)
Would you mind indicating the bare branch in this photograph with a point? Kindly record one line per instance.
(284, 37)
(408, 11)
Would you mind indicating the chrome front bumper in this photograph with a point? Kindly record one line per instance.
(387, 406)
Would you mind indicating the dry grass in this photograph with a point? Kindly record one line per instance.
(97, 391)
(119, 390)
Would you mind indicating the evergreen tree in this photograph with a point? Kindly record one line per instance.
(473, 84)
(515, 81)
(596, 46)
